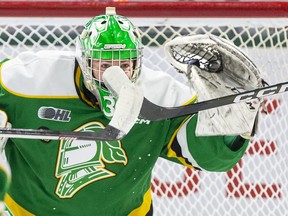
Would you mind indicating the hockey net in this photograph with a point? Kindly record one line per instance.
(258, 184)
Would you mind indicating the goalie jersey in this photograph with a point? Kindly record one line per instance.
(72, 177)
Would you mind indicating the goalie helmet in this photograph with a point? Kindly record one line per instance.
(112, 39)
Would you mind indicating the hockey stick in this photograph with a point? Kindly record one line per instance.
(151, 111)
(126, 112)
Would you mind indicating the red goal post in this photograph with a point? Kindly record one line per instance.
(258, 184)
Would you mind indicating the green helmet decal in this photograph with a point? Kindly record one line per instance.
(112, 38)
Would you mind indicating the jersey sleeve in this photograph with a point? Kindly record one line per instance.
(209, 153)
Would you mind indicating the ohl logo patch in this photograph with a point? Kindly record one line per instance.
(54, 114)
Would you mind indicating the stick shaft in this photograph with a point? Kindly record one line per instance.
(154, 112)
(107, 134)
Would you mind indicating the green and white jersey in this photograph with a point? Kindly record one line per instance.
(71, 177)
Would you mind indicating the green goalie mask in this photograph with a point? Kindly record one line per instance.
(108, 40)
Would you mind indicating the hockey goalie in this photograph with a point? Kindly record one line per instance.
(80, 91)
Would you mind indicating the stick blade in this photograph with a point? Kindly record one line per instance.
(114, 78)
(127, 108)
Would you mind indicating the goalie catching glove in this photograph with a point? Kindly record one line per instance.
(215, 68)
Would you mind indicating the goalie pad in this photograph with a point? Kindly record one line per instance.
(215, 68)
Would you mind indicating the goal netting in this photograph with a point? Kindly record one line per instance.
(258, 184)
